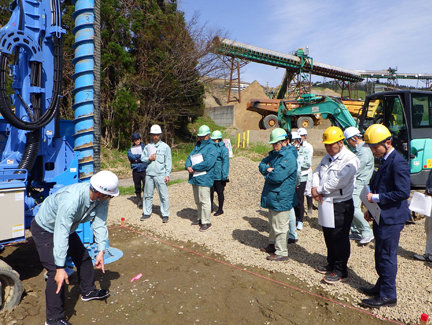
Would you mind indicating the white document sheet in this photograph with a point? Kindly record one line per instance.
(229, 147)
(136, 150)
(151, 150)
(421, 203)
(196, 159)
(326, 213)
(373, 208)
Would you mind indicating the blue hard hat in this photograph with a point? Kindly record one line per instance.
(136, 136)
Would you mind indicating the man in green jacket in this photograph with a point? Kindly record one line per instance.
(279, 169)
(221, 170)
(200, 164)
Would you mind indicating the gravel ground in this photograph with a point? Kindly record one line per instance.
(243, 229)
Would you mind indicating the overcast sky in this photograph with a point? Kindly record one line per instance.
(352, 34)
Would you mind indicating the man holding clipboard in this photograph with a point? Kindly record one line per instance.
(332, 186)
(200, 164)
(390, 189)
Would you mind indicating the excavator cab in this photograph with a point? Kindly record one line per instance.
(408, 116)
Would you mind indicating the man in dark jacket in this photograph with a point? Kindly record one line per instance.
(138, 167)
(390, 189)
(280, 172)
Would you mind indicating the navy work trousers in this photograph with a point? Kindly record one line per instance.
(81, 258)
(139, 180)
(386, 248)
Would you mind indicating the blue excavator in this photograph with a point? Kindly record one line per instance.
(39, 152)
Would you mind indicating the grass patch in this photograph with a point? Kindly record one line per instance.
(179, 155)
(255, 152)
(127, 190)
(130, 190)
(176, 181)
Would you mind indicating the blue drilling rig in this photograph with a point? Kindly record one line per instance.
(39, 152)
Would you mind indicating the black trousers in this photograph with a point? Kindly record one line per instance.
(44, 245)
(336, 239)
(219, 187)
(299, 209)
(139, 180)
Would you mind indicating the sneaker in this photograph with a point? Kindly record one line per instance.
(270, 249)
(58, 321)
(333, 278)
(165, 219)
(355, 237)
(324, 269)
(196, 223)
(277, 258)
(424, 257)
(366, 240)
(144, 217)
(205, 226)
(97, 294)
(292, 241)
(299, 225)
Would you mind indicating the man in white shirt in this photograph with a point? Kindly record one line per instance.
(335, 177)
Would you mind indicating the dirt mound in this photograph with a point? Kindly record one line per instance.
(325, 92)
(244, 119)
(210, 101)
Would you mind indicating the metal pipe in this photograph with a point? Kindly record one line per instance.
(84, 83)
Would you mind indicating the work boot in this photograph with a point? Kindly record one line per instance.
(270, 249)
(139, 199)
(309, 205)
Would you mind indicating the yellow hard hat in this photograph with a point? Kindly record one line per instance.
(332, 134)
(376, 133)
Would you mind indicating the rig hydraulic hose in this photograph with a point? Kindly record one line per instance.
(5, 107)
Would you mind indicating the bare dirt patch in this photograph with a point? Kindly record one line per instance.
(182, 283)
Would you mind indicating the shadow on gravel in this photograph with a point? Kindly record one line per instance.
(250, 238)
(263, 213)
(133, 199)
(296, 252)
(409, 255)
(313, 222)
(188, 214)
(258, 223)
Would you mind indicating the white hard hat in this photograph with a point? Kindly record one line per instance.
(350, 132)
(296, 135)
(105, 182)
(302, 131)
(155, 129)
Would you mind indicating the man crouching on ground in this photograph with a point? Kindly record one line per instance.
(53, 230)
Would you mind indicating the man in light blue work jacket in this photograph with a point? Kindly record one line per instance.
(158, 172)
(360, 228)
(305, 163)
(200, 164)
(53, 230)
